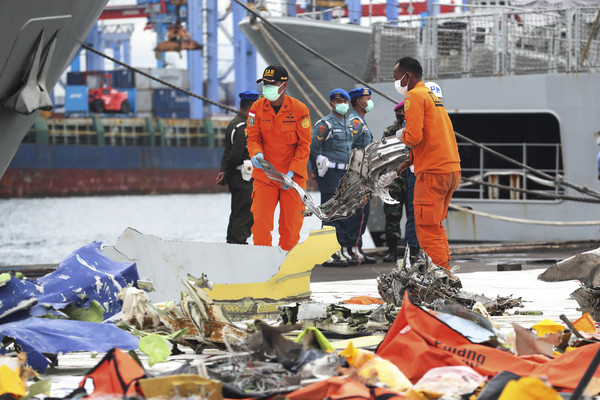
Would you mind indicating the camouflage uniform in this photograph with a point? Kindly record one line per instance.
(398, 190)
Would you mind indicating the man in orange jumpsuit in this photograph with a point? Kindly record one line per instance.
(279, 131)
(434, 155)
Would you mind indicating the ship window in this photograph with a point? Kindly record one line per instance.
(530, 138)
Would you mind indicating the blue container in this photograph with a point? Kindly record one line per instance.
(177, 114)
(123, 78)
(75, 79)
(170, 100)
(160, 99)
(76, 100)
(179, 101)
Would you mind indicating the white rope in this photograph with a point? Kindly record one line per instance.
(524, 221)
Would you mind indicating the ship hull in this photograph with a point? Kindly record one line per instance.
(567, 98)
(39, 170)
(346, 44)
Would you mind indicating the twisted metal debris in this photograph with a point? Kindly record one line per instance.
(434, 287)
(358, 184)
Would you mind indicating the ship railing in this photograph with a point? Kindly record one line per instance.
(128, 132)
(489, 44)
(318, 10)
(482, 166)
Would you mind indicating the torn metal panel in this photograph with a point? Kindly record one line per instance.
(292, 280)
(86, 275)
(167, 262)
(584, 267)
(37, 336)
(238, 271)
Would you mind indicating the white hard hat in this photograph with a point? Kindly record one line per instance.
(435, 88)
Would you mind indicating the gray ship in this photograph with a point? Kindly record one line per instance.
(523, 83)
(40, 40)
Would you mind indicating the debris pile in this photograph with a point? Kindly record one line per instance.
(426, 338)
(432, 287)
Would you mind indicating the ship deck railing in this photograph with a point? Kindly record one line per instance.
(505, 42)
(482, 166)
(128, 132)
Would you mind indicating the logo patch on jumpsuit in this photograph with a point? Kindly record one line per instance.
(305, 123)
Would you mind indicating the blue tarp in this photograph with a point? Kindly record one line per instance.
(83, 276)
(55, 336)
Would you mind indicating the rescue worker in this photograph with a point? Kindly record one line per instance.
(278, 132)
(329, 156)
(360, 99)
(434, 155)
(236, 170)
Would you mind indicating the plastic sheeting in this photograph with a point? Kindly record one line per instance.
(85, 275)
(55, 336)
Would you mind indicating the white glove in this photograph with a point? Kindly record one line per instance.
(399, 133)
(387, 178)
(247, 168)
(322, 165)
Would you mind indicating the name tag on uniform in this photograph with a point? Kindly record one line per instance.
(337, 130)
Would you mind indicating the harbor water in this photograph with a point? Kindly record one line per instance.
(46, 230)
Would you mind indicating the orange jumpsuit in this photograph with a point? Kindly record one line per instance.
(435, 157)
(284, 139)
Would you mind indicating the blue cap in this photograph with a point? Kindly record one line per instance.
(249, 95)
(360, 92)
(338, 94)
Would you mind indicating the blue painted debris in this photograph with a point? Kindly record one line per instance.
(84, 276)
(55, 336)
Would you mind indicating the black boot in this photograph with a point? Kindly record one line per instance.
(336, 260)
(392, 255)
(366, 259)
(349, 255)
(414, 254)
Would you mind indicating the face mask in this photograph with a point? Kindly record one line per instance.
(400, 119)
(399, 88)
(271, 92)
(342, 108)
(598, 140)
(369, 106)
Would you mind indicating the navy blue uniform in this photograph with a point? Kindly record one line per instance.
(332, 137)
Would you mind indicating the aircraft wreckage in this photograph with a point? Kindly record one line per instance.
(358, 184)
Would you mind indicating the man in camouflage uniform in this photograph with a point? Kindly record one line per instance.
(397, 189)
(236, 172)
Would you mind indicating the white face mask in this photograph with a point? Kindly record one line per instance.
(598, 140)
(402, 90)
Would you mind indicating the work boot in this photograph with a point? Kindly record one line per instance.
(336, 260)
(392, 254)
(349, 255)
(414, 254)
(361, 256)
(368, 259)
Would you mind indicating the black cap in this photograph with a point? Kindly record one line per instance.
(274, 73)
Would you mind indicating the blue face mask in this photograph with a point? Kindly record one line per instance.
(342, 108)
(271, 92)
